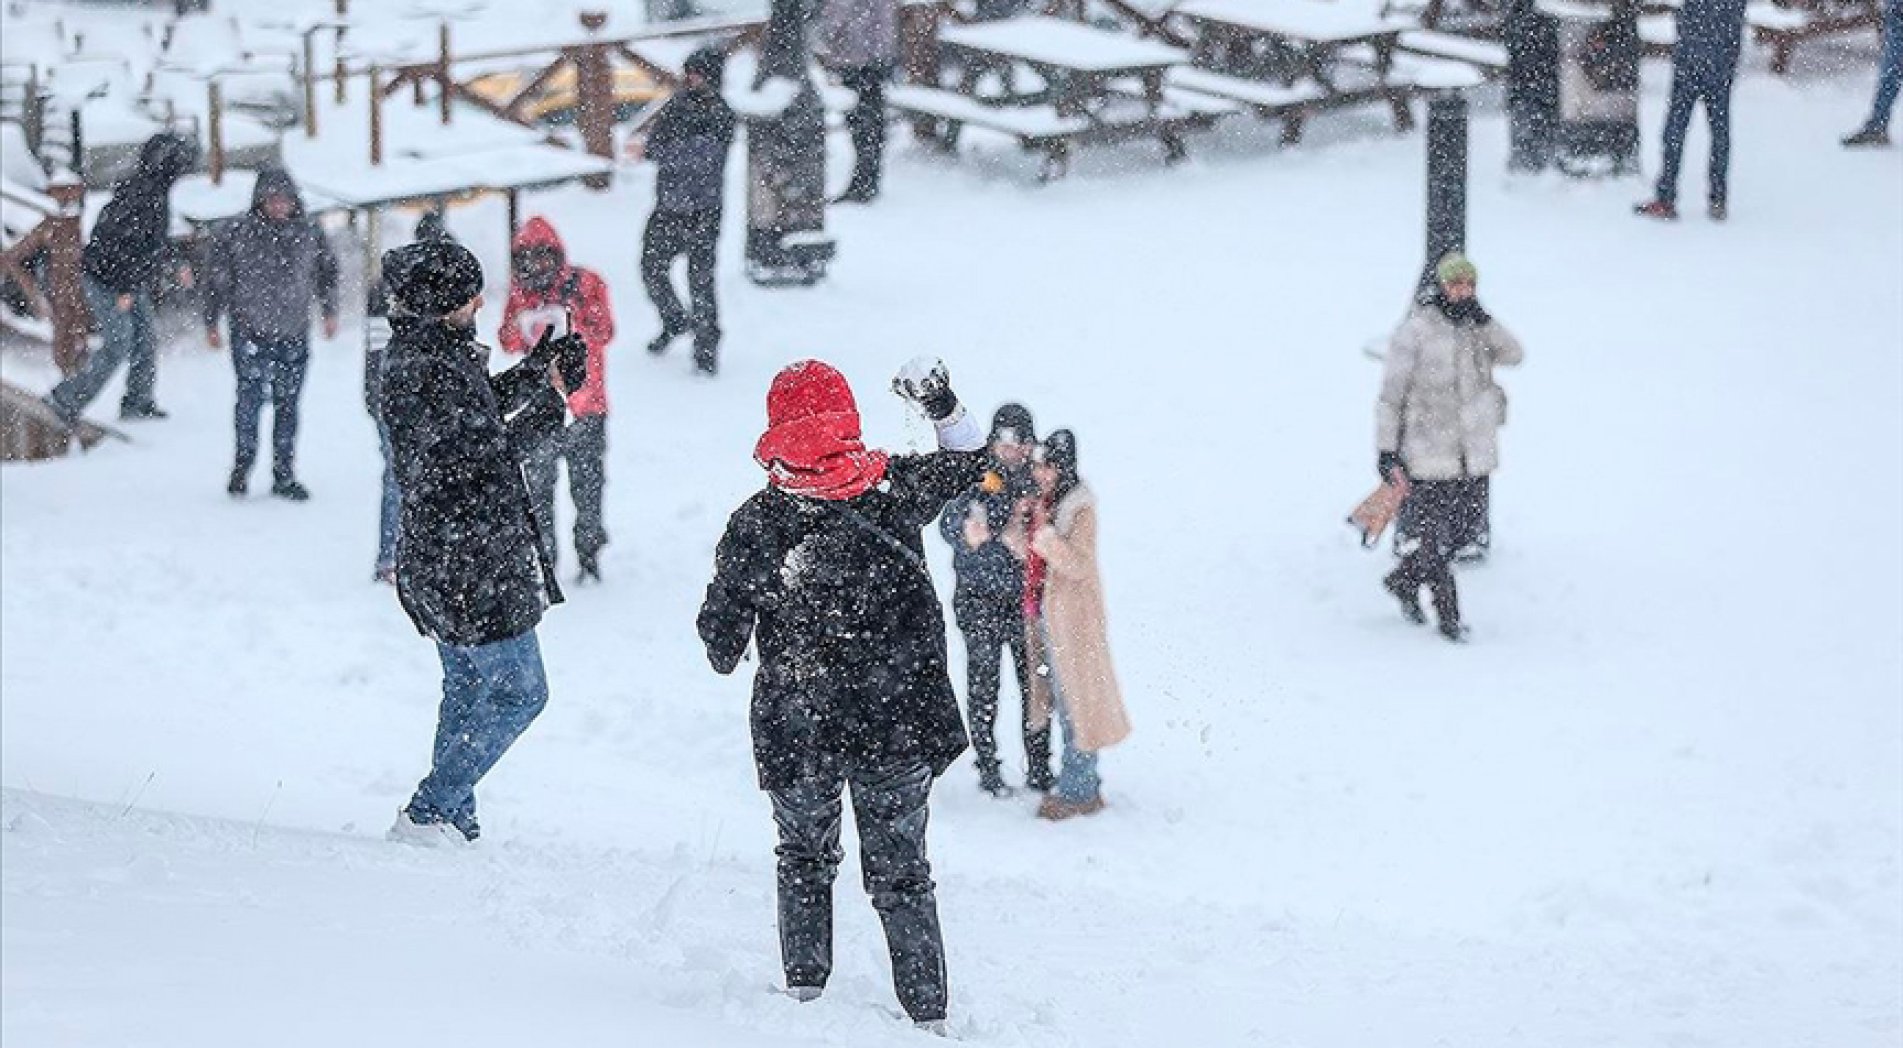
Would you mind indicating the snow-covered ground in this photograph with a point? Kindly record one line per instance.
(1658, 801)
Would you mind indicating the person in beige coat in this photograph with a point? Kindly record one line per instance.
(1070, 636)
(1437, 430)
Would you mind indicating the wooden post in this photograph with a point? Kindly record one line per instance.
(310, 83)
(343, 8)
(340, 73)
(376, 116)
(918, 42)
(70, 319)
(515, 212)
(445, 83)
(594, 95)
(215, 131)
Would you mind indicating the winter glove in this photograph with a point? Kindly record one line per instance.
(571, 359)
(924, 381)
(1388, 465)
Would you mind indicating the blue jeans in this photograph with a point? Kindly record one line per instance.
(1077, 778)
(491, 694)
(389, 516)
(127, 336)
(1687, 92)
(274, 372)
(1889, 67)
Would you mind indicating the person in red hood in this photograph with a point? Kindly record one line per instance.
(824, 571)
(546, 291)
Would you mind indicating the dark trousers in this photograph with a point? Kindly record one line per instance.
(989, 632)
(669, 235)
(889, 804)
(125, 337)
(1686, 93)
(866, 123)
(584, 446)
(1447, 515)
(273, 372)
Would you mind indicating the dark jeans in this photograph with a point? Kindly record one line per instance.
(889, 804)
(669, 235)
(989, 631)
(584, 444)
(491, 693)
(1447, 515)
(866, 123)
(1889, 67)
(126, 337)
(1686, 93)
(269, 371)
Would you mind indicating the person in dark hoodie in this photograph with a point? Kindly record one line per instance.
(263, 270)
(988, 601)
(130, 246)
(1704, 67)
(471, 570)
(376, 338)
(688, 143)
(825, 572)
(547, 292)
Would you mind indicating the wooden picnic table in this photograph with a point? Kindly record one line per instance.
(1091, 85)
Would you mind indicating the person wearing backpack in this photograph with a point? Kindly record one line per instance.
(824, 572)
(547, 293)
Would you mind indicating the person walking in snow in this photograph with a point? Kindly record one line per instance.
(1876, 130)
(859, 40)
(988, 601)
(1437, 430)
(688, 142)
(548, 293)
(376, 337)
(129, 247)
(471, 570)
(264, 269)
(1070, 630)
(1704, 67)
(824, 571)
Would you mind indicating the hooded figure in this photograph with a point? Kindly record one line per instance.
(546, 292)
(264, 269)
(130, 245)
(688, 142)
(824, 572)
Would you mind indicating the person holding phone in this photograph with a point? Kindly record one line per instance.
(548, 294)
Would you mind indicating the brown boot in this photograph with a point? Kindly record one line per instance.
(1056, 809)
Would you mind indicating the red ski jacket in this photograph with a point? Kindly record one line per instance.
(576, 292)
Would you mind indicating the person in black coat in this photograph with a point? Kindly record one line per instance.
(470, 567)
(988, 600)
(1704, 67)
(1532, 42)
(130, 245)
(824, 572)
(688, 143)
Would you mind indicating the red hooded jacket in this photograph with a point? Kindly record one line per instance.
(580, 292)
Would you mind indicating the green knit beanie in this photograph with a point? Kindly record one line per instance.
(1455, 269)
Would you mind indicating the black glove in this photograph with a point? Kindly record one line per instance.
(571, 359)
(924, 382)
(543, 352)
(1389, 464)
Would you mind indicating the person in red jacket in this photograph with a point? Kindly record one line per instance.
(545, 293)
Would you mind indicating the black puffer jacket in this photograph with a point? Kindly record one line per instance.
(131, 241)
(266, 274)
(469, 563)
(841, 604)
(689, 144)
(990, 579)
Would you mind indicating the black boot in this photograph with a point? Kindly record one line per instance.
(1447, 609)
(590, 566)
(707, 351)
(992, 781)
(1409, 595)
(239, 483)
(290, 490)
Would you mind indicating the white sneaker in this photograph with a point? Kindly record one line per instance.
(424, 834)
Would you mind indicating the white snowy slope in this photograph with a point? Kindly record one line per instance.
(1657, 801)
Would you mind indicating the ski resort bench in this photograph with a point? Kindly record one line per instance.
(1054, 84)
(1783, 27)
(1488, 56)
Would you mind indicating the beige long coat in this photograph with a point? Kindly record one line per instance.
(1439, 405)
(1080, 630)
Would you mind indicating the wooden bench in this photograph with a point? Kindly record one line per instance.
(1292, 105)
(1488, 56)
(1783, 28)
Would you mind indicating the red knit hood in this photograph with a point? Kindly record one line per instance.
(812, 445)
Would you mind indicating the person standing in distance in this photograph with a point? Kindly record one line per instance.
(688, 142)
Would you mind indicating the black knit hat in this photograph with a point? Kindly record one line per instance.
(432, 278)
(1012, 425)
(1059, 451)
(709, 63)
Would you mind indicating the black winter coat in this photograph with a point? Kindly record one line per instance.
(131, 241)
(990, 582)
(850, 633)
(688, 144)
(1710, 36)
(469, 562)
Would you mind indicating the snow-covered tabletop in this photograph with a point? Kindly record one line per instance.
(1305, 20)
(1045, 41)
(355, 183)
